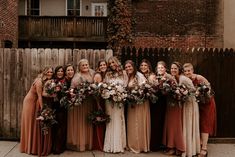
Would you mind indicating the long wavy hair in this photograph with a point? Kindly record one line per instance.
(118, 70)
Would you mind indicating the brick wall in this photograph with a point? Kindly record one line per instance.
(178, 23)
(9, 21)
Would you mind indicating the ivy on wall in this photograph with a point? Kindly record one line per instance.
(119, 28)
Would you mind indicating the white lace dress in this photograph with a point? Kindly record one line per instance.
(115, 134)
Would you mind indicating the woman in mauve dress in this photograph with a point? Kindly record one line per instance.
(80, 131)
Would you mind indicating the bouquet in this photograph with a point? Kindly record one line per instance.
(85, 89)
(50, 87)
(179, 94)
(113, 92)
(98, 117)
(135, 95)
(69, 98)
(138, 94)
(47, 118)
(203, 93)
(165, 85)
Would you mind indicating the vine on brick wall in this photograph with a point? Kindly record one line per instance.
(119, 29)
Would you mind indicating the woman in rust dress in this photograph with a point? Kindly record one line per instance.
(99, 130)
(30, 128)
(173, 126)
(138, 115)
(207, 110)
(80, 131)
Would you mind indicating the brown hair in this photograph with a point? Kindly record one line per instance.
(134, 67)
(179, 65)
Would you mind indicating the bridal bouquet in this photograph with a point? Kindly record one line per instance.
(98, 117)
(203, 93)
(113, 92)
(47, 118)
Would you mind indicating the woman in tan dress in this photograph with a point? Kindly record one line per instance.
(191, 135)
(30, 128)
(138, 115)
(80, 132)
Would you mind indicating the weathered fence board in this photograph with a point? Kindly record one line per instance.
(18, 68)
(217, 65)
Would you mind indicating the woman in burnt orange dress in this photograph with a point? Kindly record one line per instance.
(47, 99)
(30, 128)
(207, 111)
(99, 130)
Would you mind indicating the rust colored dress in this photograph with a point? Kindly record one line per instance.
(30, 128)
(207, 112)
(138, 121)
(99, 130)
(80, 131)
(173, 127)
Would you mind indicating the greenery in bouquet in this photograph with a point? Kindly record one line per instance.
(203, 93)
(113, 92)
(150, 92)
(135, 95)
(98, 117)
(47, 118)
(165, 85)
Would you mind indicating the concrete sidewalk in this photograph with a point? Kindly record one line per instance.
(11, 149)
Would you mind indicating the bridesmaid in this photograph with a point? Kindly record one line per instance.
(207, 111)
(173, 137)
(99, 130)
(80, 132)
(138, 116)
(146, 70)
(30, 129)
(59, 129)
(191, 133)
(115, 134)
(46, 139)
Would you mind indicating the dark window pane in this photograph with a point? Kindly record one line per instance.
(78, 12)
(70, 4)
(77, 4)
(35, 4)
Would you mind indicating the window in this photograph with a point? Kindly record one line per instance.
(99, 9)
(33, 7)
(73, 7)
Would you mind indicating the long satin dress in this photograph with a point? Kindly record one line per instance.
(30, 128)
(80, 131)
(191, 132)
(138, 121)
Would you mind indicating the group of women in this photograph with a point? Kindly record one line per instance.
(138, 128)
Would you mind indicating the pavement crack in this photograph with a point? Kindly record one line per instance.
(93, 153)
(10, 150)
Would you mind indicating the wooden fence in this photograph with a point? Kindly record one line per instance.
(18, 68)
(217, 65)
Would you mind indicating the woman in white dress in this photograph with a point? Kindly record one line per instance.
(115, 135)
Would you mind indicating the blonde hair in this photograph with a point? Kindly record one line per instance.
(188, 65)
(82, 61)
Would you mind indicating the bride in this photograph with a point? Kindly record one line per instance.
(115, 135)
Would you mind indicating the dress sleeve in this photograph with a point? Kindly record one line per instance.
(75, 81)
(141, 78)
(38, 85)
(187, 82)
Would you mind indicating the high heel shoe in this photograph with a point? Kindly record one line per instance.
(170, 152)
(203, 153)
